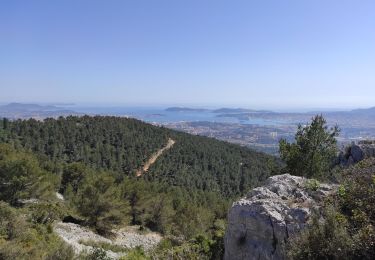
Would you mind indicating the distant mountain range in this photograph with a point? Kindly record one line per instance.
(353, 118)
(19, 110)
(365, 111)
(368, 111)
(356, 117)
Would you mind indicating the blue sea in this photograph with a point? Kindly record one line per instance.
(161, 116)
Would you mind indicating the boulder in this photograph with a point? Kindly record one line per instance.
(357, 152)
(260, 224)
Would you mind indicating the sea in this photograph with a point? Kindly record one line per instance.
(157, 115)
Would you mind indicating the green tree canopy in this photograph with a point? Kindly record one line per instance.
(312, 153)
(124, 145)
(73, 174)
(99, 200)
(21, 176)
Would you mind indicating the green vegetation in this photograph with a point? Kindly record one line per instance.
(184, 196)
(98, 199)
(21, 177)
(92, 161)
(97, 254)
(21, 238)
(102, 200)
(136, 254)
(209, 246)
(348, 229)
(312, 184)
(123, 145)
(345, 226)
(313, 153)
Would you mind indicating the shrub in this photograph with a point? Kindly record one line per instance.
(136, 254)
(97, 254)
(46, 213)
(312, 184)
(348, 229)
(23, 240)
(327, 240)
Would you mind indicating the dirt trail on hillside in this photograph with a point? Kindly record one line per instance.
(155, 156)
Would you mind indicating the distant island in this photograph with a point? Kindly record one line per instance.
(19, 110)
(27, 107)
(186, 109)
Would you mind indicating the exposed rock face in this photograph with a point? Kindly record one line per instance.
(59, 196)
(130, 237)
(357, 152)
(260, 223)
(75, 235)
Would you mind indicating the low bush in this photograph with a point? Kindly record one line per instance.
(347, 227)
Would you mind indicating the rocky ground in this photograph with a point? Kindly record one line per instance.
(129, 237)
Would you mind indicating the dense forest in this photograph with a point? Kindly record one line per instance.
(92, 162)
(123, 145)
(192, 223)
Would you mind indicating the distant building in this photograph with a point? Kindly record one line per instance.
(273, 135)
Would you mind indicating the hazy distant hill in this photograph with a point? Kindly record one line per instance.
(26, 107)
(353, 118)
(19, 110)
(368, 111)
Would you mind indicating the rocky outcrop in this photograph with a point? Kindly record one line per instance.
(129, 237)
(74, 235)
(357, 152)
(260, 224)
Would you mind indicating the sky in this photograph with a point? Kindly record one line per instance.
(250, 53)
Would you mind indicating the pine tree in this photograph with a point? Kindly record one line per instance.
(314, 149)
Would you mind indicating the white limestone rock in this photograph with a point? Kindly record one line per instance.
(260, 224)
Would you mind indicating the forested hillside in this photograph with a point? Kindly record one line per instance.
(123, 145)
(93, 163)
(192, 223)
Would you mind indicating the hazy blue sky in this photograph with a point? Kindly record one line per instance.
(261, 54)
